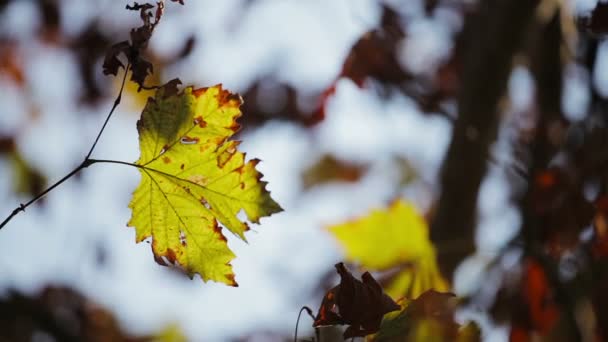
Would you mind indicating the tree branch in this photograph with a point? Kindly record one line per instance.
(495, 34)
(85, 163)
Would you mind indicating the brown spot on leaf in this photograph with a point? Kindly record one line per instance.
(218, 231)
(199, 179)
(182, 166)
(205, 203)
(159, 260)
(233, 282)
(166, 160)
(223, 158)
(182, 238)
(235, 98)
(171, 255)
(186, 140)
(200, 122)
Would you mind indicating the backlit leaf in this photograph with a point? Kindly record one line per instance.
(394, 238)
(358, 303)
(192, 178)
(430, 317)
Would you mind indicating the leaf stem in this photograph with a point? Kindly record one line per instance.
(110, 161)
(309, 311)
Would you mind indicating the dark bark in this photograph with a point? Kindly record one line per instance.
(496, 31)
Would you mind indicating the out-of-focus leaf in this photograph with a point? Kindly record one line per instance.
(539, 297)
(267, 99)
(171, 333)
(429, 317)
(111, 62)
(136, 97)
(531, 307)
(563, 211)
(599, 246)
(329, 169)
(62, 314)
(27, 179)
(395, 237)
(192, 178)
(88, 47)
(11, 64)
(469, 333)
(358, 303)
(373, 55)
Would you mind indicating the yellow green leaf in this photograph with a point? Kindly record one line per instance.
(170, 333)
(394, 238)
(192, 178)
(469, 333)
(430, 317)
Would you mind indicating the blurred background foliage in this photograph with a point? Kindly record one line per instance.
(485, 119)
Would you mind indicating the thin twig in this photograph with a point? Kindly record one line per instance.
(85, 163)
(309, 311)
(116, 103)
(22, 206)
(152, 87)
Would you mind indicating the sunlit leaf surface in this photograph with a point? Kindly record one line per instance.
(393, 239)
(193, 178)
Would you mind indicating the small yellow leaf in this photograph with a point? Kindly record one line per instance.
(133, 97)
(394, 238)
(170, 333)
(192, 178)
(469, 333)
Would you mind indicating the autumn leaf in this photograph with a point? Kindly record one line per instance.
(170, 333)
(430, 317)
(331, 169)
(135, 97)
(192, 178)
(358, 303)
(393, 238)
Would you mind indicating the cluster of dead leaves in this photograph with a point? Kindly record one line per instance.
(140, 68)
